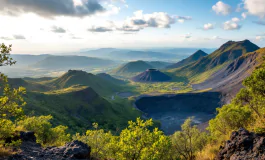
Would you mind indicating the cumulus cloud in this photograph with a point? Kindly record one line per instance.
(56, 29)
(255, 7)
(14, 37)
(156, 20)
(50, 8)
(260, 22)
(99, 29)
(208, 26)
(222, 8)
(232, 24)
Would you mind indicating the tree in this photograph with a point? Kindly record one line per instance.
(230, 117)
(188, 141)
(100, 142)
(138, 142)
(11, 101)
(253, 97)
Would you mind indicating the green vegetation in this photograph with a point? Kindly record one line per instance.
(74, 77)
(202, 69)
(12, 117)
(159, 88)
(246, 110)
(73, 101)
(132, 68)
(194, 57)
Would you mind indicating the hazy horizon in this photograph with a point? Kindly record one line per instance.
(36, 27)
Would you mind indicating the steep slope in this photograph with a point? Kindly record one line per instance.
(203, 68)
(59, 62)
(78, 107)
(194, 57)
(229, 79)
(110, 78)
(132, 67)
(151, 75)
(75, 77)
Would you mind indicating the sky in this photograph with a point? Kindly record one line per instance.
(57, 26)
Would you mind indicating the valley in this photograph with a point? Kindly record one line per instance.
(164, 91)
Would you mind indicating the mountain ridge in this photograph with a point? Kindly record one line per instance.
(192, 58)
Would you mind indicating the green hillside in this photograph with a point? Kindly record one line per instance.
(74, 77)
(78, 107)
(202, 69)
(132, 68)
(194, 57)
(30, 85)
(111, 79)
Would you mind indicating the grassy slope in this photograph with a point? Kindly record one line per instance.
(202, 69)
(101, 86)
(131, 68)
(78, 107)
(194, 57)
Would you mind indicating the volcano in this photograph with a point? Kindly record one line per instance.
(151, 75)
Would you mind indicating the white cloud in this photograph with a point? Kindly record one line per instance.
(244, 15)
(235, 19)
(14, 37)
(255, 7)
(232, 25)
(260, 38)
(157, 20)
(222, 8)
(208, 26)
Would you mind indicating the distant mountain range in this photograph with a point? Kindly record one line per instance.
(71, 62)
(168, 54)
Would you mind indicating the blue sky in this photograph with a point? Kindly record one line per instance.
(52, 27)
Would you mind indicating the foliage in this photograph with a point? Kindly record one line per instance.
(98, 140)
(135, 142)
(138, 142)
(188, 141)
(229, 118)
(43, 130)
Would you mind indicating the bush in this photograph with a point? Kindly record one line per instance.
(45, 134)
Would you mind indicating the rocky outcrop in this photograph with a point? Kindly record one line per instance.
(30, 150)
(243, 145)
